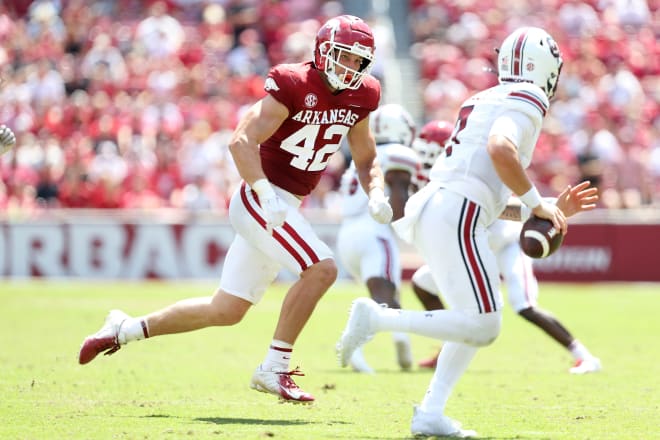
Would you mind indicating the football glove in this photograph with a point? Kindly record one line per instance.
(274, 208)
(379, 206)
(7, 139)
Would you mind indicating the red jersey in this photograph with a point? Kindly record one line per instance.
(295, 156)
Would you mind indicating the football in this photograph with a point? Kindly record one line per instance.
(539, 238)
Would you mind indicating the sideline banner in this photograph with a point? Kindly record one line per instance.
(130, 247)
(604, 252)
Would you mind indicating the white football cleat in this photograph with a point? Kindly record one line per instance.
(586, 365)
(425, 424)
(359, 363)
(281, 384)
(403, 350)
(358, 330)
(107, 340)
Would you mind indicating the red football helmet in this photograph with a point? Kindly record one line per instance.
(345, 33)
(429, 145)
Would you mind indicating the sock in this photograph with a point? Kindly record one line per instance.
(133, 329)
(400, 337)
(578, 350)
(454, 359)
(278, 356)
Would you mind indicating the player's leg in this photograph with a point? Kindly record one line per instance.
(426, 291)
(522, 292)
(295, 246)
(429, 417)
(380, 268)
(350, 246)
(369, 251)
(455, 244)
(190, 314)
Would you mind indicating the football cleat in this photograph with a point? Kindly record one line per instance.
(105, 340)
(403, 351)
(359, 363)
(586, 365)
(358, 329)
(429, 363)
(281, 384)
(425, 424)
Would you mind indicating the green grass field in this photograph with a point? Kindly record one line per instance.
(195, 385)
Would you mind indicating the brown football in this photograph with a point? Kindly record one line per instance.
(539, 238)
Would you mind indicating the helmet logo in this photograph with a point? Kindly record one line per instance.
(311, 100)
(271, 84)
(504, 64)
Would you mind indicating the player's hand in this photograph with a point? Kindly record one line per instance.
(275, 209)
(581, 197)
(553, 213)
(7, 139)
(379, 206)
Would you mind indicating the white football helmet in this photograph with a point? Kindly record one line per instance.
(391, 123)
(345, 33)
(530, 54)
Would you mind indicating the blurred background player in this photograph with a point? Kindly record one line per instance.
(367, 249)
(485, 160)
(281, 146)
(515, 267)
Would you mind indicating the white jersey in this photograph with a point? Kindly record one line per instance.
(390, 157)
(466, 167)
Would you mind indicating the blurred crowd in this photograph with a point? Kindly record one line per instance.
(130, 104)
(604, 122)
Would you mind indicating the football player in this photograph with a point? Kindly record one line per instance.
(367, 249)
(281, 146)
(484, 162)
(515, 267)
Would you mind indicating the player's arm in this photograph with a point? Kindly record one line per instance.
(398, 181)
(258, 124)
(505, 158)
(363, 150)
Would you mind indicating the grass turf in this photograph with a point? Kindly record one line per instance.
(196, 385)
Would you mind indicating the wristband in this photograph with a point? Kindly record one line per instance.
(263, 189)
(531, 198)
(525, 212)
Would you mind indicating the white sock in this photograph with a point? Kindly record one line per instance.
(278, 356)
(133, 329)
(578, 350)
(400, 337)
(454, 359)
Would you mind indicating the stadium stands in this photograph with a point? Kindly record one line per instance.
(130, 104)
